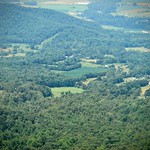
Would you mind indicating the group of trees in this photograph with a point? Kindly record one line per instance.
(96, 119)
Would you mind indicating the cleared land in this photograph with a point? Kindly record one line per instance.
(122, 66)
(143, 89)
(83, 2)
(86, 82)
(76, 73)
(72, 7)
(68, 8)
(57, 91)
(139, 49)
(88, 64)
(82, 71)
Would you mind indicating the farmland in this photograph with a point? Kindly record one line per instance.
(67, 8)
(108, 27)
(82, 71)
(57, 92)
(134, 8)
(76, 73)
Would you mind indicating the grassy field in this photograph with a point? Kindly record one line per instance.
(21, 50)
(143, 89)
(123, 29)
(65, 7)
(64, 1)
(81, 71)
(139, 49)
(88, 64)
(122, 66)
(57, 91)
(76, 73)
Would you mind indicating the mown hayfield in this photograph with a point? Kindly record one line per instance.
(58, 90)
(82, 71)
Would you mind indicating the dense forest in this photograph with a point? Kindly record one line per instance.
(42, 49)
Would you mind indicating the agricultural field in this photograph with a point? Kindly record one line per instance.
(133, 8)
(73, 7)
(107, 27)
(87, 81)
(139, 49)
(57, 91)
(82, 71)
(67, 8)
(77, 73)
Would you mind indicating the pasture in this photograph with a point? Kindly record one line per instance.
(82, 71)
(58, 90)
(77, 73)
(107, 27)
(65, 6)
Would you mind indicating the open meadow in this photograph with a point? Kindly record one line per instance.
(58, 91)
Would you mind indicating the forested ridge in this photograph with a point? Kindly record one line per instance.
(42, 49)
